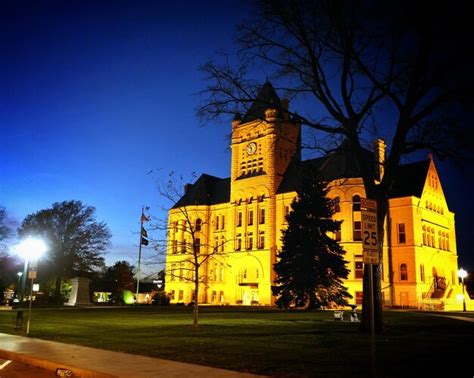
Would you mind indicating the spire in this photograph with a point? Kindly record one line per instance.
(267, 98)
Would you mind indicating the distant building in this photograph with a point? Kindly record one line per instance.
(242, 217)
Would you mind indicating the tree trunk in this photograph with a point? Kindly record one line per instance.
(382, 205)
(196, 299)
(57, 289)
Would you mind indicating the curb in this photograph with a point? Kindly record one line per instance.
(51, 365)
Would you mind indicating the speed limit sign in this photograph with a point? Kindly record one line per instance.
(370, 239)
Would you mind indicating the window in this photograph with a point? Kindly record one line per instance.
(222, 244)
(214, 296)
(221, 296)
(181, 272)
(172, 295)
(357, 232)
(356, 203)
(261, 243)
(216, 245)
(216, 272)
(337, 233)
(197, 245)
(359, 269)
(250, 241)
(447, 242)
(183, 246)
(238, 242)
(217, 223)
(250, 221)
(424, 236)
(222, 222)
(403, 272)
(173, 273)
(198, 224)
(222, 273)
(401, 233)
(239, 219)
(262, 216)
(432, 237)
(422, 273)
(181, 295)
(337, 204)
(174, 247)
(359, 297)
(175, 227)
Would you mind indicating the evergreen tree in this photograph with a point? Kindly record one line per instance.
(311, 265)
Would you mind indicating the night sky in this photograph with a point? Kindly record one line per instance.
(96, 94)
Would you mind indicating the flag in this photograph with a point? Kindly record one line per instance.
(144, 237)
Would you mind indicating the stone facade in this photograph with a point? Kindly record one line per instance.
(237, 222)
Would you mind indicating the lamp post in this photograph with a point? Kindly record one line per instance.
(18, 289)
(462, 274)
(30, 249)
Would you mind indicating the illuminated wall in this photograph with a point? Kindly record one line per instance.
(243, 233)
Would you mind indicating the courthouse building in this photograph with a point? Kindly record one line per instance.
(239, 220)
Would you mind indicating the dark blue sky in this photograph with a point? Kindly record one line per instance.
(95, 94)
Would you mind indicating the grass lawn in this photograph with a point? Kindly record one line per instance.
(266, 341)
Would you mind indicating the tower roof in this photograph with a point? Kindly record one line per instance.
(207, 190)
(267, 98)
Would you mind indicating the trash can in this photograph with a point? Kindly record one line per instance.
(19, 319)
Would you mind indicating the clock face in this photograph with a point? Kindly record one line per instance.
(251, 148)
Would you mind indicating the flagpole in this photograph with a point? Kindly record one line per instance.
(139, 255)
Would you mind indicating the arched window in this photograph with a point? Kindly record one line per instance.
(403, 272)
(356, 203)
(424, 235)
(337, 204)
(198, 224)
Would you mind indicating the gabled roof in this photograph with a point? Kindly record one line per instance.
(267, 98)
(410, 179)
(207, 190)
(336, 165)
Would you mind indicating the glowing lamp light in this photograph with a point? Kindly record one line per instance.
(459, 297)
(462, 273)
(31, 248)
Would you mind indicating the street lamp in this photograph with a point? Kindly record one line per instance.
(30, 249)
(462, 274)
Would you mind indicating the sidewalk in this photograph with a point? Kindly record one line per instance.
(91, 362)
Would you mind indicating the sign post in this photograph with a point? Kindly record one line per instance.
(370, 248)
(31, 275)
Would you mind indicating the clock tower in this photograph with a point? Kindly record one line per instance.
(264, 142)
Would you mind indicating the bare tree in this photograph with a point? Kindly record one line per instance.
(363, 70)
(187, 258)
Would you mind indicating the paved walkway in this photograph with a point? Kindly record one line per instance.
(91, 362)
